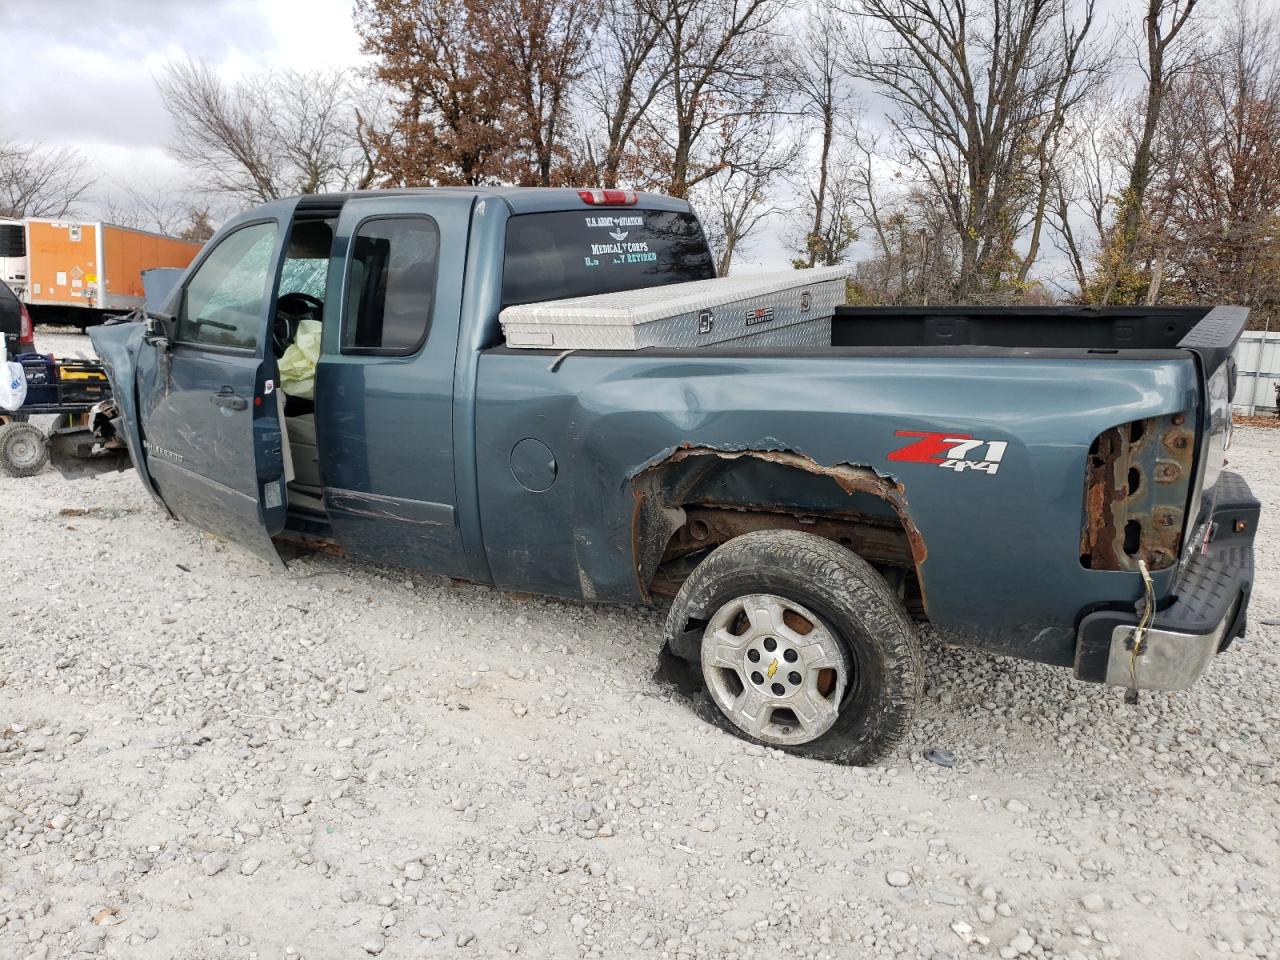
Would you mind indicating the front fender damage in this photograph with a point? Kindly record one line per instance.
(119, 346)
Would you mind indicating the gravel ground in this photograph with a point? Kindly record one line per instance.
(204, 757)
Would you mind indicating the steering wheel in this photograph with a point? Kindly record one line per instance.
(292, 309)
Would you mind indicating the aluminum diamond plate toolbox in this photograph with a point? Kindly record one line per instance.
(768, 310)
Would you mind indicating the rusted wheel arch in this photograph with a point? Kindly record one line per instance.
(664, 512)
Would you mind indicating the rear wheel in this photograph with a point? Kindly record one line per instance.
(801, 645)
(24, 449)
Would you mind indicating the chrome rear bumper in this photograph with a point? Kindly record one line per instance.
(1211, 600)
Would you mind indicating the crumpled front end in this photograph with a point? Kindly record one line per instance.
(120, 349)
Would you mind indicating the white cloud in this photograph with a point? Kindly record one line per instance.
(88, 75)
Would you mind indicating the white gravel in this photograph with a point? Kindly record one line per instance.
(205, 757)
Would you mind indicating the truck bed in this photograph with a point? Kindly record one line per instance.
(1136, 333)
(1080, 328)
(1045, 383)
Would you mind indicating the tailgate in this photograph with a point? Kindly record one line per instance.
(1212, 342)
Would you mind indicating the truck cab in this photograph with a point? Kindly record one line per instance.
(389, 276)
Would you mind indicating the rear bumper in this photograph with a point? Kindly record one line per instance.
(1210, 602)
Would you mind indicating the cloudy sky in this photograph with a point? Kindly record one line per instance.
(88, 69)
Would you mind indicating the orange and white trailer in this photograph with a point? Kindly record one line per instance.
(76, 271)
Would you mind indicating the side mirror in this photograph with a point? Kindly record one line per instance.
(161, 328)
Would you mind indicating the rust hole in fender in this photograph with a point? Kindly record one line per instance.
(694, 498)
(1135, 494)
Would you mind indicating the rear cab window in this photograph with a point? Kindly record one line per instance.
(554, 256)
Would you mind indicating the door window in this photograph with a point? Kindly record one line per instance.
(223, 303)
(391, 286)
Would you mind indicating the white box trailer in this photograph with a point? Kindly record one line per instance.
(787, 309)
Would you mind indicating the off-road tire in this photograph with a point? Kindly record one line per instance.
(854, 603)
(24, 449)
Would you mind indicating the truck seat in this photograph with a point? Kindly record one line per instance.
(306, 457)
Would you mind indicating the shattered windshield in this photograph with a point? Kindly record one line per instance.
(304, 276)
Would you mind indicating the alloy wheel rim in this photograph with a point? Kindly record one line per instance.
(774, 669)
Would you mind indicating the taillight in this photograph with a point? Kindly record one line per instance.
(609, 198)
(26, 331)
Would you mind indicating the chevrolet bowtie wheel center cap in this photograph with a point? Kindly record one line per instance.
(774, 667)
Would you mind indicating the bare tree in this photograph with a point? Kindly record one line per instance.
(722, 81)
(141, 211)
(315, 125)
(841, 220)
(975, 87)
(913, 244)
(220, 133)
(266, 136)
(735, 205)
(163, 210)
(1215, 198)
(627, 68)
(1163, 59)
(37, 180)
(915, 253)
(1081, 76)
(534, 49)
(1085, 182)
(816, 78)
(739, 199)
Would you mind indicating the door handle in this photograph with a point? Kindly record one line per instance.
(227, 398)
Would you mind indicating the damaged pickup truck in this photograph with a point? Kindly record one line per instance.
(1046, 483)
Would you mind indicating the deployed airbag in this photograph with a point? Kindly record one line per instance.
(298, 364)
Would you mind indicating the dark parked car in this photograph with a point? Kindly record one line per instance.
(1046, 483)
(15, 323)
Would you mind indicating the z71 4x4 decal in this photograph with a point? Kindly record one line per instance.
(951, 451)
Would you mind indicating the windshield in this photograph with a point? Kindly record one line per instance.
(304, 276)
(553, 256)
